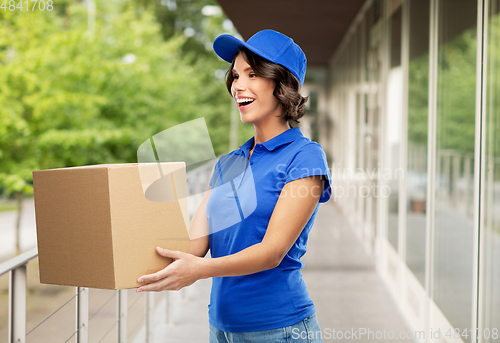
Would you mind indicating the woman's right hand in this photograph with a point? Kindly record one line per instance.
(182, 272)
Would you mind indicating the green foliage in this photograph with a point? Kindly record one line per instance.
(493, 99)
(71, 95)
(456, 95)
(177, 16)
(418, 105)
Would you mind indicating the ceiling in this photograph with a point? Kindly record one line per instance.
(317, 26)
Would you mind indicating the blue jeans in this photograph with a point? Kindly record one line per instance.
(305, 331)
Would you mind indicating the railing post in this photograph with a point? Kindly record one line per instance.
(82, 315)
(17, 305)
(455, 176)
(150, 308)
(121, 314)
(447, 175)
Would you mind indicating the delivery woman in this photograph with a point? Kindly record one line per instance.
(261, 204)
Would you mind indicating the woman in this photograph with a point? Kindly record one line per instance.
(260, 206)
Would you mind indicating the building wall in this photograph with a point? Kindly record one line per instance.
(413, 141)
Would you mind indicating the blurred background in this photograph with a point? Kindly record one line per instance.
(403, 97)
(86, 82)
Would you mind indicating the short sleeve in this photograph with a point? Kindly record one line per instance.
(310, 160)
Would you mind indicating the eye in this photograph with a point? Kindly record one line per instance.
(252, 75)
(235, 77)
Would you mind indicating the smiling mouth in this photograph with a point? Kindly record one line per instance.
(245, 102)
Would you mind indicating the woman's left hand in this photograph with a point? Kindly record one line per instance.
(180, 273)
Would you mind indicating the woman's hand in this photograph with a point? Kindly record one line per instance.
(182, 272)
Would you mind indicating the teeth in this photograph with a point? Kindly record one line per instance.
(240, 100)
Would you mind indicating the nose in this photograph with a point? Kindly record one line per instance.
(238, 86)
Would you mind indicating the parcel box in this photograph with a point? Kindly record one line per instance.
(98, 226)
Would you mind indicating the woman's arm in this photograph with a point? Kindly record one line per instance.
(297, 202)
(198, 229)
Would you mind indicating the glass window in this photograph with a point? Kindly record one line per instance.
(369, 118)
(490, 307)
(359, 132)
(312, 110)
(367, 27)
(416, 174)
(455, 131)
(393, 129)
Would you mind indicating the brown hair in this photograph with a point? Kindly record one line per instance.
(286, 89)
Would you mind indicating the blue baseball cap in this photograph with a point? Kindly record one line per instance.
(269, 44)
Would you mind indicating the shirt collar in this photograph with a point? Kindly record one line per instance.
(283, 138)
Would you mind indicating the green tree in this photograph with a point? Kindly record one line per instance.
(70, 96)
(456, 105)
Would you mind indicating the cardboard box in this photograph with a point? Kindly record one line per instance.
(96, 227)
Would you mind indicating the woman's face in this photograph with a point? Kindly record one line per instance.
(253, 94)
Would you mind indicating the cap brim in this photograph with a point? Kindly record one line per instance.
(227, 46)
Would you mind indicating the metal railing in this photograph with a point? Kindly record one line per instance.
(17, 293)
(197, 181)
(454, 176)
(17, 267)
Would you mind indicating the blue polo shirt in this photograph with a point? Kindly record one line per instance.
(243, 196)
